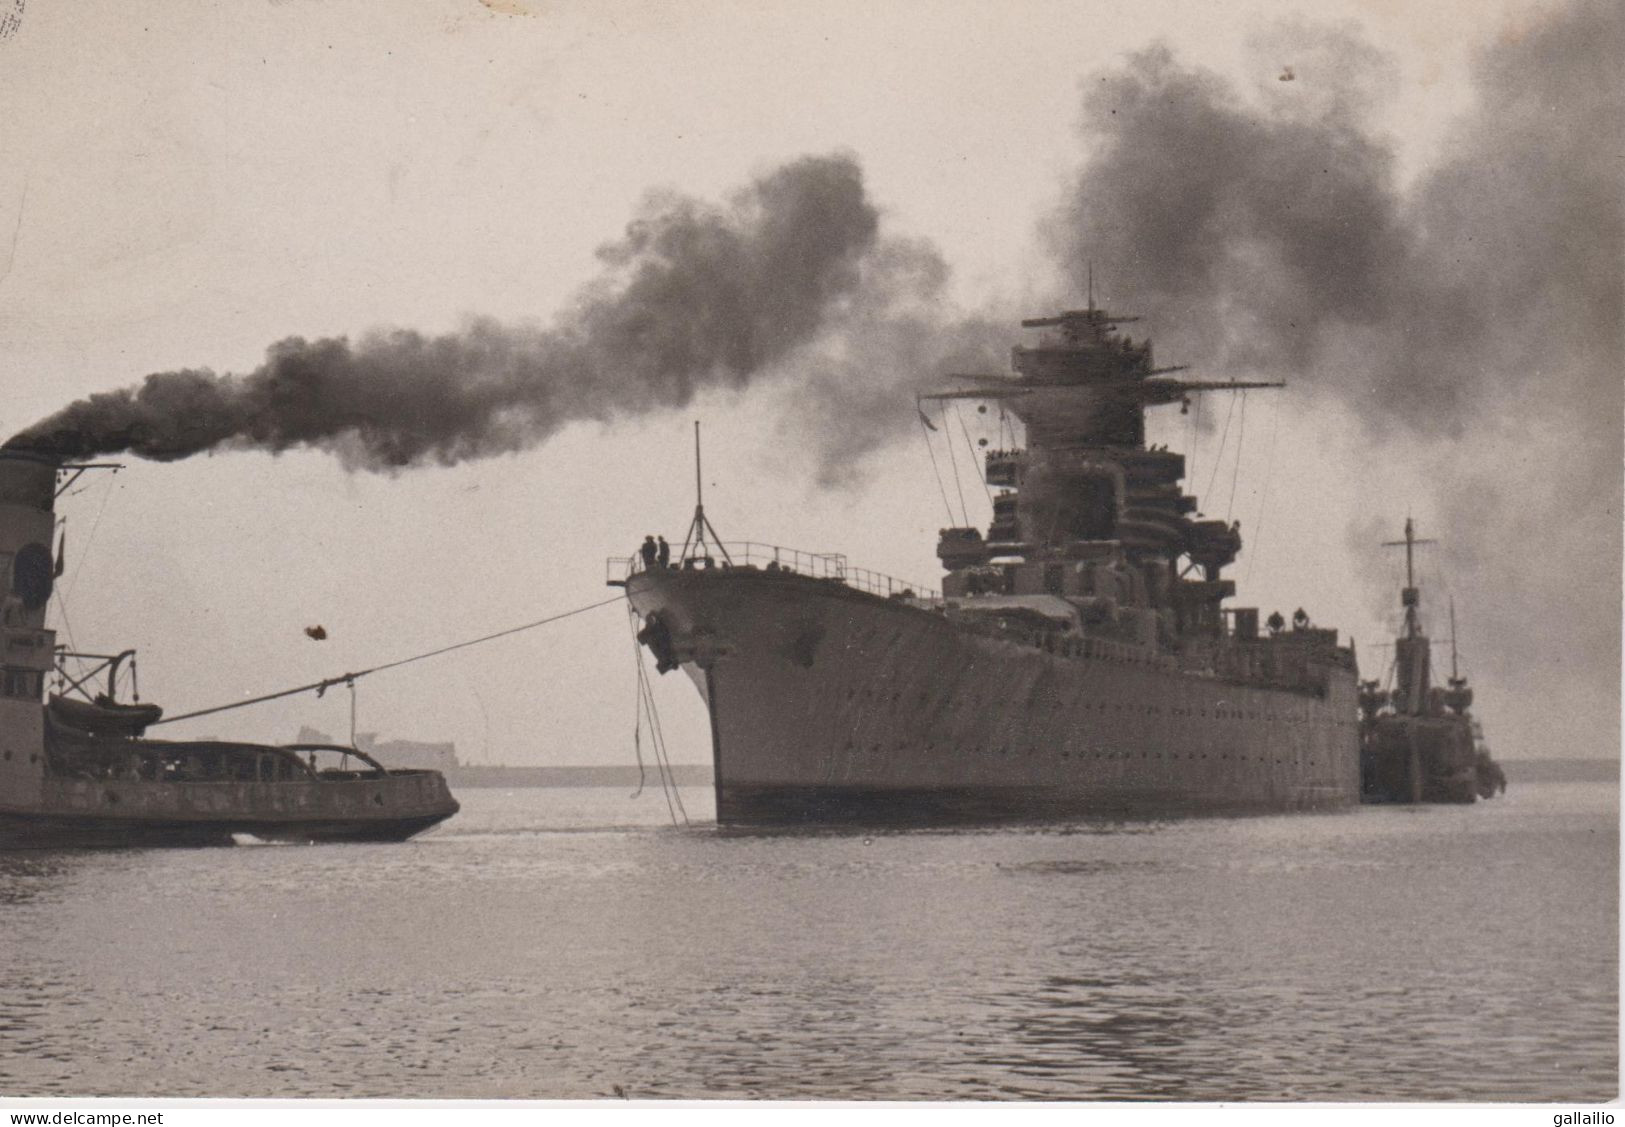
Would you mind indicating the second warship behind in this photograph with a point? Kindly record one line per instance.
(1419, 742)
(1078, 660)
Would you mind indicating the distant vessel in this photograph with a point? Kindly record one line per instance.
(1077, 661)
(1418, 742)
(76, 770)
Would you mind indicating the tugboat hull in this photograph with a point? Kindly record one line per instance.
(119, 813)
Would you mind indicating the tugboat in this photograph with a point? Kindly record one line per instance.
(76, 768)
(1077, 661)
(1419, 742)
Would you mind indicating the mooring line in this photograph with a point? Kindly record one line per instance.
(644, 711)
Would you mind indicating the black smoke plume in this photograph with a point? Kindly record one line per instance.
(1471, 318)
(692, 296)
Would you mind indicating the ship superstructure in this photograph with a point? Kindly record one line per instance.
(1078, 659)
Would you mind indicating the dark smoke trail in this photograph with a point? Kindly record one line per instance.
(693, 296)
(852, 390)
(1471, 320)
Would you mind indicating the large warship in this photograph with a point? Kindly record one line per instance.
(76, 768)
(1078, 659)
(1419, 742)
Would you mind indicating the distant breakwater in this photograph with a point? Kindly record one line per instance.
(699, 774)
(684, 774)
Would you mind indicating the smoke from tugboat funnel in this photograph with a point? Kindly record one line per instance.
(692, 296)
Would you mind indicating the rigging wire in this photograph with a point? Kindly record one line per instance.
(971, 446)
(1241, 445)
(67, 627)
(925, 433)
(1263, 496)
(1219, 457)
(84, 551)
(954, 462)
(56, 589)
(1444, 594)
(1196, 433)
(320, 687)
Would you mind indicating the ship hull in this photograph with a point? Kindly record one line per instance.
(1411, 759)
(829, 705)
(80, 813)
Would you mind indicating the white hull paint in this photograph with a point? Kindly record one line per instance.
(829, 704)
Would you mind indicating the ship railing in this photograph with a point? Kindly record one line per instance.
(777, 558)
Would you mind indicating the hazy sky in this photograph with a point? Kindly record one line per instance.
(182, 185)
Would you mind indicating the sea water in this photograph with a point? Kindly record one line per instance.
(568, 943)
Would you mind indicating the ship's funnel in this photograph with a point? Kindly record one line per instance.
(27, 568)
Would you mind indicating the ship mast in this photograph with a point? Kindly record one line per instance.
(694, 540)
(1411, 652)
(1455, 674)
(1410, 598)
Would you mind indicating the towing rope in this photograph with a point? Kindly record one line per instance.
(320, 687)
